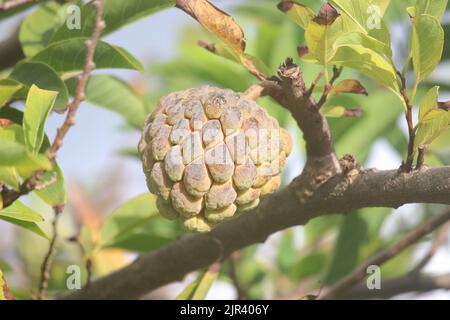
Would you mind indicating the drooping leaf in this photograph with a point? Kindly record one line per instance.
(116, 13)
(69, 55)
(426, 50)
(38, 27)
(23, 216)
(297, 12)
(37, 108)
(113, 94)
(348, 86)
(30, 73)
(311, 264)
(218, 23)
(199, 288)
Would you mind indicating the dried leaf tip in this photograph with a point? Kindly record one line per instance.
(285, 5)
(327, 15)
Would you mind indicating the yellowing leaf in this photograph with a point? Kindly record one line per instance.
(368, 62)
(434, 124)
(349, 86)
(429, 103)
(297, 12)
(217, 22)
(426, 45)
(320, 40)
(334, 111)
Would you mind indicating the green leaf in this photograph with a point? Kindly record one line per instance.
(21, 212)
(113, 94)
(365, 16)
(320, 41)
(368, 62)
(15, 159)
(429, 102)
(297, 12)
(435, 8)
(352, 235)
(38, 27)
(431, 127)
(117, 13)
(125, 221)
(198, 289)
(37, 108)
(30, 73)
(7, 90)
(69, 55)
(55, 193)
(23, 216)
(426, 50)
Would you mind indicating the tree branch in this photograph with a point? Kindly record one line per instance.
(12, 4)
(281, 210)
(409, 239)
(9, 196)
(410, 283)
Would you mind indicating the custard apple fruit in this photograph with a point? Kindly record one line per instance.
(209, 154)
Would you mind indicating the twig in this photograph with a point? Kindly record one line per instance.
(421, 157)
(14, 4)
(417, 283)
(247, 63)
(70, 120)
(89, 65)
(440, 239)
(329, 86)
(409, 239)
(47, 263)
(314, 83)
(9, 196)
(407, 166)
(241, 292)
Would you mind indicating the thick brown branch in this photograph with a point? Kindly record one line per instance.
(276, 212)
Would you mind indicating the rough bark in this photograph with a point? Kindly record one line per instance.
(341, 194)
